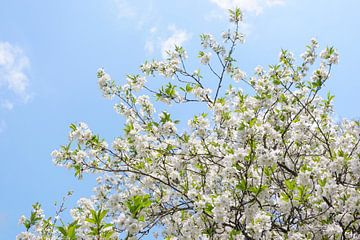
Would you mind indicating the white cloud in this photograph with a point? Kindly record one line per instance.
(275, 2)
(178, 37)
(2, 125)
(255, 6)
(145, 13)
(124, 9)
(153, 30)
(13, 66)
(6, 104)
(150, 43)
(149, 46)
(141, 13)
(215, 15)
(245, 5)
(175, 36)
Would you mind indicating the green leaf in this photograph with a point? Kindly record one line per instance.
(208, 208)
(322, 182)
(188, 88)
(138, 203)
(242, 185)
(73, 127)
(290, 184)
(201, 54)
(102, 214)
(141, 219)
(252, 122)
(90, 220)
(62, 230)
(284, 197)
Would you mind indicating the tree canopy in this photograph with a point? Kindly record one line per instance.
(263, 158)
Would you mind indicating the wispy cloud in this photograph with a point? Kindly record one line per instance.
(275, 2)
(166, 39)
(256, 6)
(125, 9)
(14, 65)
(178, 37)
(141, 13)
(150, 43)
(6, 104)
(245, 5)
(146, 19)
(2, 125)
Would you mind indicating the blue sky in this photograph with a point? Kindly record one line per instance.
(50, 51)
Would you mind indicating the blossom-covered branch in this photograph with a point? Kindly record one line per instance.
(269, 162)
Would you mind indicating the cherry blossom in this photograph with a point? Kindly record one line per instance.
(263, 158)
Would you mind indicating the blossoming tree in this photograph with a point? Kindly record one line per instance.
(266, 163)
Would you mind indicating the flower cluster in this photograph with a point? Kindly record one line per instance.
(271, 163)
